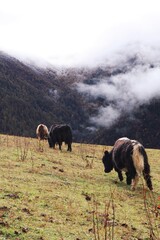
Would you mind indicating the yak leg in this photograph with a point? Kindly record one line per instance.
(128, 179)
(134, 182)
(69, 147)
(120, 176)
(60, 145)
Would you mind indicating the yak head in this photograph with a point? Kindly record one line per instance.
(50, 141)
(107, 161)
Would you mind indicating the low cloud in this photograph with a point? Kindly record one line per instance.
(107, 116)
(138, 84)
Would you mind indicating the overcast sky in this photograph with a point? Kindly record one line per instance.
(76, 31)
(90, 32)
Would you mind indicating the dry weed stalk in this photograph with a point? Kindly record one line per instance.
(7, 140)
(108, 220)
(152, 214)
(40, 145)
(88, 159)
(22, 149)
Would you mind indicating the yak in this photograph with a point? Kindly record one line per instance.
(58, 134)
(42, 132)
(129, 156)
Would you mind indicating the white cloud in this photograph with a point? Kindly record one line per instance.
(107, 116)
(126, 91)
(76, 31)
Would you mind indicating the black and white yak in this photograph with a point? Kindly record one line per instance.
(42, 132)
(59, 134)
(129, 156)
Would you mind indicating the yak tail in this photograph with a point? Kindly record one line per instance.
(146, 172)
(142, 165)
(138, 159)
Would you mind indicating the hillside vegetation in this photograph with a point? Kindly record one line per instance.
(48, 194)
(31, 95)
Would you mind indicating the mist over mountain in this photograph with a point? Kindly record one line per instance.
(118, 98)
(132, 82)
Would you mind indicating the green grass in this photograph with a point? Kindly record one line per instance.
(46, 194)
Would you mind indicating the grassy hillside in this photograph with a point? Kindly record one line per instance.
(51, 195)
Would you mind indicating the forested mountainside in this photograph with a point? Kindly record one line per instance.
(31, 95)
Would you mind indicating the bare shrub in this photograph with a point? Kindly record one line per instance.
(40, 145)
(88, 155)
(104, 223)
(152, 214)
(22, 148)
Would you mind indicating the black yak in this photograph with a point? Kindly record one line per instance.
(129, 156)
(42, 132)
(59, 134)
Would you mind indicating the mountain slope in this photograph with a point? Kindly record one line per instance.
(31, 95)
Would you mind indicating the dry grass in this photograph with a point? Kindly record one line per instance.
(51, 195)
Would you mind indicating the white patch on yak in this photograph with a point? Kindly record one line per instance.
(118, 143)
(123, 138)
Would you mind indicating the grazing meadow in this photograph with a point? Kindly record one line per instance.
(47, 194)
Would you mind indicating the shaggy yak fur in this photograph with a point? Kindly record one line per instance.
(129, 156)
(59, 134)
(42, 132)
